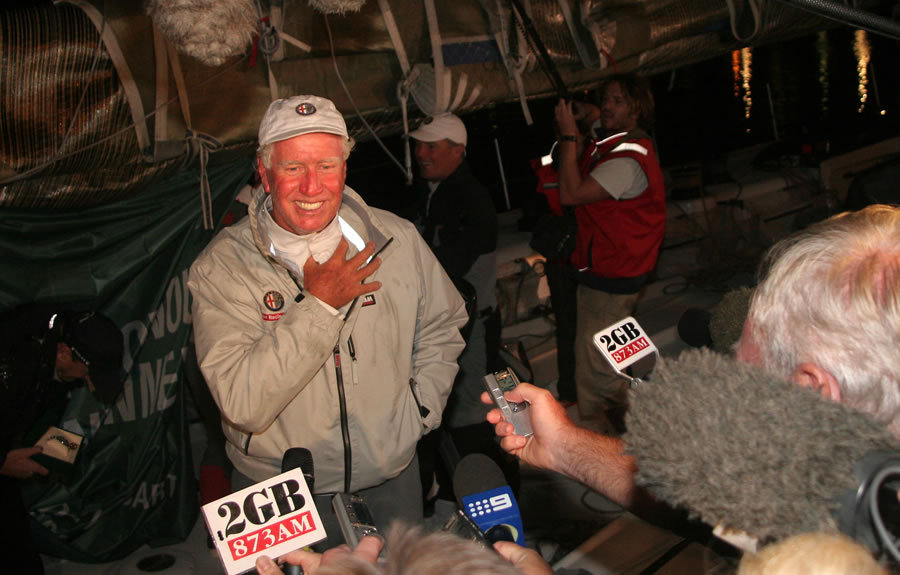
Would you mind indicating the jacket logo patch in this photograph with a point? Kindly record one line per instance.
(273, 300)
(368, 299)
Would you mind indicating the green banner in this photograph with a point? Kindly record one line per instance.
(133, 482)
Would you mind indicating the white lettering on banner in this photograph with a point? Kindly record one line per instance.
(173, 292)
(153, 385)
(50, 517)
(155, 395)
(173, 312)
(133, 328)
(152, 494)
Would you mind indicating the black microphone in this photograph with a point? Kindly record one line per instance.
(693, 327)
(742, 449)
(483, 494)
(293, 458)
(300, 457)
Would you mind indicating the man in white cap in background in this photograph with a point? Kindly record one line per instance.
(323, 323)
(457, 218)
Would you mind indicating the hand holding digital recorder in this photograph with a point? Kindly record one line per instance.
(515, 413)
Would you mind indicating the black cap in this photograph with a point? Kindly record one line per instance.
(98, 343)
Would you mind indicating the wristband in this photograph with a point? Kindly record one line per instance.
(568, 139)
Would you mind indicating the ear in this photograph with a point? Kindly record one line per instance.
(263, 176)
(811, 375)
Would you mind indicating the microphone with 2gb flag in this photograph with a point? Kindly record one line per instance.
(272, 517)
(756, 456)
(483, 494)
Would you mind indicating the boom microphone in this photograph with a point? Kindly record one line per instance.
(209, 30)
(742, 449)
(482, 493)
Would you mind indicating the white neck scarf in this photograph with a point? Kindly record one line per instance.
(294, 249)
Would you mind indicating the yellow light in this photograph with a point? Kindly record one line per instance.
(746, 74)
(736, 72)
(863, 53)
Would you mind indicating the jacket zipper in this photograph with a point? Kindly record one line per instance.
(353, 365)
(345, 428)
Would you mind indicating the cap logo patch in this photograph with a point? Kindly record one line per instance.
(306, 109)
(273, 300)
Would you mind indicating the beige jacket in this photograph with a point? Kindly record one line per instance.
(270, 363)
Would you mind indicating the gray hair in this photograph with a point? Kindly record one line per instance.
(831, 296)
(410, 552)
(812, 554)
(265, 153)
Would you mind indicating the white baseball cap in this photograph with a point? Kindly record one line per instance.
(439, 127)
(298, 115)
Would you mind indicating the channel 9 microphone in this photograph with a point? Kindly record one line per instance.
(483, 494)
(746, 451)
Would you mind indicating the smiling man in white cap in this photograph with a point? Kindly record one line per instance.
(323, 323)
(457, 218)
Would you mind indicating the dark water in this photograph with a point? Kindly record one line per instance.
(702, 112)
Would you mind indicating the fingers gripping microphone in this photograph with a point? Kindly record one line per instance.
(742, 449)
(482, 493)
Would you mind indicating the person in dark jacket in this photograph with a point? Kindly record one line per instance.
(458, 220)
(45, 352)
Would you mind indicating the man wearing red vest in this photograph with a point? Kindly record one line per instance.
(618, 192)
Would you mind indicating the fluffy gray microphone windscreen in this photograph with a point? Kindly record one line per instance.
(336, 6)
(209, 30)
(735, 446)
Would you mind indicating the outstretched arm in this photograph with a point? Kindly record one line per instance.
(558, 444)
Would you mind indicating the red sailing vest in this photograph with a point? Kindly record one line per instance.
(621, 238)
(548, 185)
